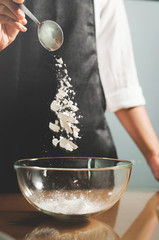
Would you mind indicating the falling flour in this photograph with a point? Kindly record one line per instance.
(65, 127)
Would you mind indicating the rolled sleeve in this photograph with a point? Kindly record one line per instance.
(125, 98)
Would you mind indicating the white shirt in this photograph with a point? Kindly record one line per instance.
(115, 56)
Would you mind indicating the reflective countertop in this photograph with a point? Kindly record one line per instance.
(134, 217)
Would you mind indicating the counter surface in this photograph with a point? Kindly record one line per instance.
(133, 217)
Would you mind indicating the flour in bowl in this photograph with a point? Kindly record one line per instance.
(70, 204)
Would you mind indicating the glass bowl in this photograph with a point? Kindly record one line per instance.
(72, 187)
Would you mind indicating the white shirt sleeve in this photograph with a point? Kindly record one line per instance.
(115, 56)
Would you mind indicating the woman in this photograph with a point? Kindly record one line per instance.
(29, 81)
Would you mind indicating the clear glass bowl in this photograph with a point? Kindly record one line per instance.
(72, 187)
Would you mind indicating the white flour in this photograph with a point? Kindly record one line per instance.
(65, 128)
(76, 205)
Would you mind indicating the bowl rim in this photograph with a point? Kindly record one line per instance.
(126, 164)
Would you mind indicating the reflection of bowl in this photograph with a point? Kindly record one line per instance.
(92, 229)
(72, 187)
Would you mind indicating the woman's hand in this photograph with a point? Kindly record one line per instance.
(12, 20)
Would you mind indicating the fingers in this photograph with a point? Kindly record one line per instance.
(18, 25)
(11, 14)
(18, 1)
(6, 12)
(9, 7)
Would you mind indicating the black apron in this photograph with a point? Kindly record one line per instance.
(28, 85)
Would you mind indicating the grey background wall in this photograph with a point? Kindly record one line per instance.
(143, 17)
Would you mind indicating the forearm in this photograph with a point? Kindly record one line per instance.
(136, 121)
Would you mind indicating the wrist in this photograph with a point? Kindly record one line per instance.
(152, 152)
(152, 158)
